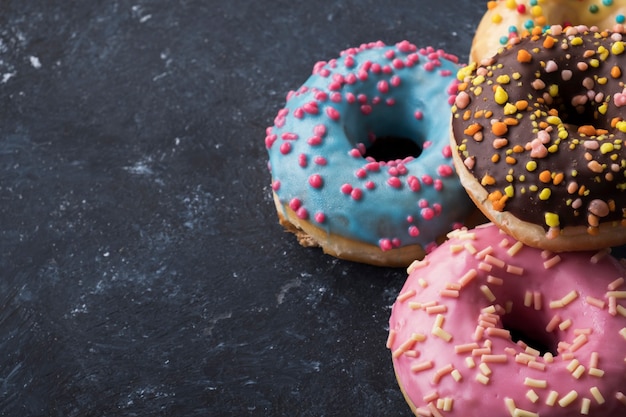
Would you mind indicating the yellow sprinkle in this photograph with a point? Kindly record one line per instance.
(545, 194)
(496, 18)
(536, 11)
(553, 120)
(617, 48)
(594, 63)
(603, 108)
(552, 219)
(531, 166)
(509, 109)
(479, 79)
(551, 400)
(577, 41)
(553, 90)
(568, 398)
(500, 95)
(606, 148)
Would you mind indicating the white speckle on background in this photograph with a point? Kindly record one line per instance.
(35, 62)
(6, 77)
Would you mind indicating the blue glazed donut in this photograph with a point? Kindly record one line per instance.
(333, 191)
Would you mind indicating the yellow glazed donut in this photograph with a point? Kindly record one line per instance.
(508, 19)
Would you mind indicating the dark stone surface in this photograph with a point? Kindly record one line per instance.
(142, 269)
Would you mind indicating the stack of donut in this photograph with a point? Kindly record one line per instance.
(525, 316)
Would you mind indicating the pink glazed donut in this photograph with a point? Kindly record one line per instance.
(486, 326)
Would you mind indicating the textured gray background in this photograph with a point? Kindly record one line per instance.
(142, 269)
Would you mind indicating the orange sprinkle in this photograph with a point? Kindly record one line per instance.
(545, 177)
(548, 42)
(616, 72)
(473, 129)
(518, 149)
(615, 121)
(558, 178)
(587, 130)
(521, 105)
(499, 128)
(510, 160)
(524, 56)
(491, 4)
(511, 121)
(488, 180)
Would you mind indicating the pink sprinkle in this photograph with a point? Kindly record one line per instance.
(427, 144)
(349, 61)
(413, 58)
(366, 109)
(397, 63)
(302, 213)
(295, 204)
(438, 185)
(289, 136)
(402, 169)
(279, 122)
(419, 115)
(325, 72)
(269, 140)
(405, 46)
(409, 219)
(437, 208)
(338, 78)
(321, 96)
(414, 183)
(428, 213)
(422, 203)
(285, 148)
(445, 170)
(383, 86)
(390, 101)
(390, 54)
(320, 160)
(427, 179)
(350, 98)
(332, 113)
(310, 107)
(319, 130)
(302, 160)
(414, 231)
(335, 97)
(356, 194)
(351, 78)
(447, 151)
(375, 68)
(320, 217)
(376, 100)
(360, 173)
(395, 242)
(370, 185)
(394, 182)
(346, 188)
(362, 75)
(316, 181)
(276, 185)
(298, 113)
(314, 141)
(362, 98)
(387, 69)
(429, 66)
(445, 73)
(334, 86)
(354, 153)
(373, 166)
(393, 171)
(385, 244)
(395, 81)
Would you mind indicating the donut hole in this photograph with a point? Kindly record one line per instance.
(581, 115)
(391, 148)
(530, 329)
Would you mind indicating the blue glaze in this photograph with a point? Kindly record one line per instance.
(371, 91)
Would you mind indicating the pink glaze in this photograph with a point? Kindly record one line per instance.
(479, 285)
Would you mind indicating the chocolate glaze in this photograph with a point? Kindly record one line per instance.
(569, 86)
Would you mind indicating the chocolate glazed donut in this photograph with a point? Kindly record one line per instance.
(538, 135)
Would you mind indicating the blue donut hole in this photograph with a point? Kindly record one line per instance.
(389, 133)
(391, 148)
